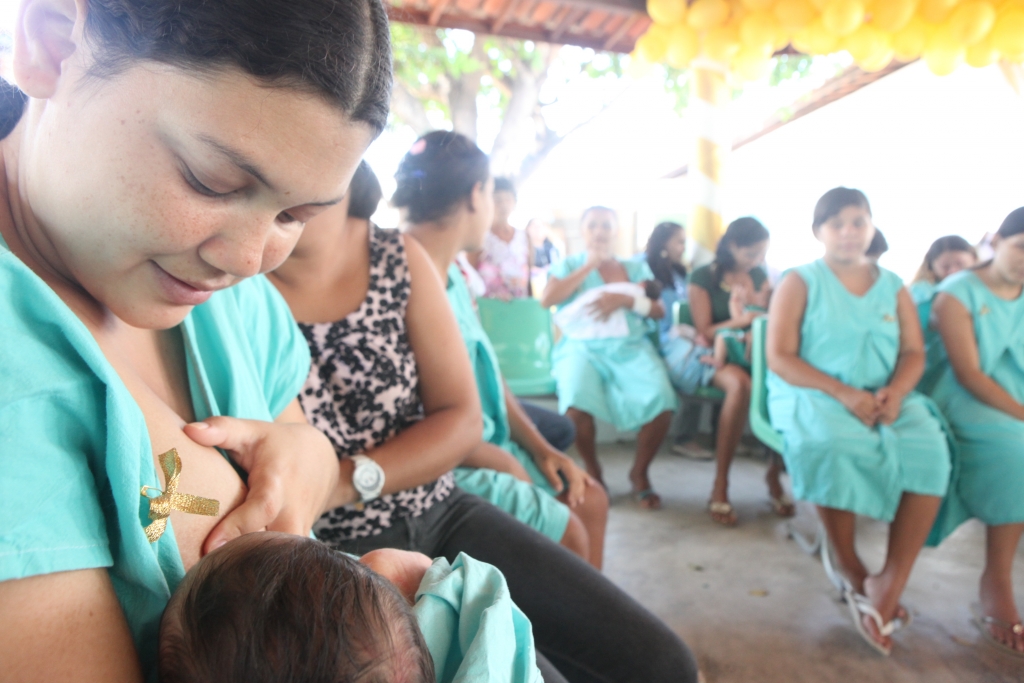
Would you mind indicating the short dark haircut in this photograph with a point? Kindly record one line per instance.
(1013, 224)
(503, 184)
(879, 245)
(834, 201)
(290, 609)
(597, 207)
(664, 270)
(364, 193)
(742, 232)
(339, 49)
(438, 172)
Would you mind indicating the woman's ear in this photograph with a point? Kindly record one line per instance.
(476, 197)
(46, 34)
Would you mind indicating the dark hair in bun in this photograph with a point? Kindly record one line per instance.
(1013, 224)
(439, 170)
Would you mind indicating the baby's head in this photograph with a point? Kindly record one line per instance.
(279, 608)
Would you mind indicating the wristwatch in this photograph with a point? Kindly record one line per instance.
(367, 478)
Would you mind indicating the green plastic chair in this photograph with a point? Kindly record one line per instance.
(520, 332)
(761, 425)
(759, 422)
(681, 316)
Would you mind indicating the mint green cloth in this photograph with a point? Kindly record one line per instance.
(835, 460)
(474, 631)
(620, 380)
(74, 450)
(534, 505)
(989, 483)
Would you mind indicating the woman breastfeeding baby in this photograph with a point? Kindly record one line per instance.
(845, 352)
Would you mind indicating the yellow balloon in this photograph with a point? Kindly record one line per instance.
(757, 5)
(971, 21)
(707, 14)
(815, 39)
(911, 40)
(892, 15)
(1008, 33)
(759, 29)
(721, 43)
(867, 44)
(877, 62)
(666, 12)
(683, 46)
(750, 66)
(795, 14)
(639, 68)
(842, 17)
(981, 54)
(935, 11)
(653, 45)
(943, 62)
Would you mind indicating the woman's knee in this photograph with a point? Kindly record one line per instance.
(575, 538)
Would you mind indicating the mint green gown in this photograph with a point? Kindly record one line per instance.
(989, 483)
(532, 504)
(623, 381)
(923, 293)
(834, 459)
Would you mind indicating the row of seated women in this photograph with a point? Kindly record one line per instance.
(160, 403)
(850, 367)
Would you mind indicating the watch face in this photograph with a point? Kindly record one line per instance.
(368, 477)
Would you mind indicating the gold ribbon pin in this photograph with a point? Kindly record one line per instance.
(161, 506)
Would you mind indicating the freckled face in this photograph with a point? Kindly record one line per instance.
(156, 187)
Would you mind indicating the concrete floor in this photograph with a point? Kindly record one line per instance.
(753, 607)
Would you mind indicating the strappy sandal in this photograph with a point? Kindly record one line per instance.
(722, 513)
(641, 497)
(984, 623)
(783, 506)
(859, 606)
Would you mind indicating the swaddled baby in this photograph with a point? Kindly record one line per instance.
(279, 608)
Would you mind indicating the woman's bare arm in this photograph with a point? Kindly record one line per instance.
(782, 350)
(910, 363)
(65, 627)
(558, 290)
(953, 322)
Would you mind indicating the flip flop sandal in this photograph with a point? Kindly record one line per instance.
(859, 605)
(719, 510)
(783, 506)
(985, 623)
(647, 494)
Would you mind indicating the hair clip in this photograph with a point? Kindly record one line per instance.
(418, 147)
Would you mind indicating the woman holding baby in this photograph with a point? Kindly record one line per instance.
(619, 379)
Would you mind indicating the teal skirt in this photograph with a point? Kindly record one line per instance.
(530, 504)
(835, 460)
(621, 381)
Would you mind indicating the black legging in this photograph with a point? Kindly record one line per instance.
(585, 625)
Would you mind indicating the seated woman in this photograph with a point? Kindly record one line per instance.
(979, 314)
(511, 443)
(392, 388)
(844, 349)
(503, 260)
(137, 208)
(947, 255)
(520, 498)
(619, 379)
(734, 277)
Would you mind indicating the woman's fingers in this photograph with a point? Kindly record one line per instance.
(577, 479)
(229, 433)
(260, 510)
(549, 467)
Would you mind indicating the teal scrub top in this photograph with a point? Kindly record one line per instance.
(74, 449)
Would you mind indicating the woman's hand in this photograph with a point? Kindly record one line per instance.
(292, 468)
(890, 402)
(550, 462)
(403, 568)
(608, 303)
(862, 404)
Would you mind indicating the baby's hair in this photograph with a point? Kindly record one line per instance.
(290, 609)
(1013, 224)
(440, 170)
(364, 193)
(834, 201)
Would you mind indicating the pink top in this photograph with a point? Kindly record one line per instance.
(504, 266)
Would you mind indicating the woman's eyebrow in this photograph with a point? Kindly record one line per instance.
(243, 162)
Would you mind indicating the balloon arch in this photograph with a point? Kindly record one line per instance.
(744, 34)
